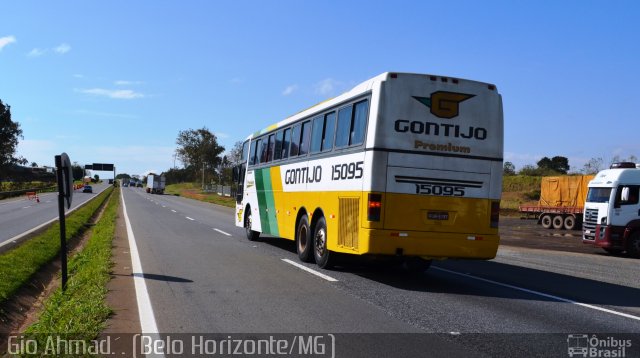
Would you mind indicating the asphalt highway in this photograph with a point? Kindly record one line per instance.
(19, 215)
(203, 276)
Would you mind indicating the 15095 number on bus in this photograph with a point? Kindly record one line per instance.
(439, 190)
(347, 171)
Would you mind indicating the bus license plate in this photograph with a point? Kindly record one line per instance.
(438, 215)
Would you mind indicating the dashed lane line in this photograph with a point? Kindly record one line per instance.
(311, 271)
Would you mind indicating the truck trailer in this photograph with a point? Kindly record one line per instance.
(155, 184)
(561, 202)
(612, 210)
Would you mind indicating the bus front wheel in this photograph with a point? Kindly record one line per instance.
(324, 258)
(248, 224)
(303, 240)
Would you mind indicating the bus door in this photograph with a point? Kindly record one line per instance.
(239, 172)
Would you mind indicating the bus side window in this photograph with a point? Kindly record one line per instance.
(316, 134)
(344, 127)
(306, 136)
(270, 147)
(285, 143)
(295, 141)
(278, 151)
(329, 131)
(263, 150)
(359, 123)
(254, 157)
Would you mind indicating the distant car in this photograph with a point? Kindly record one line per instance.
(139, 185)
(87, 189)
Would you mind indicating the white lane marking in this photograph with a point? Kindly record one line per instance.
(164, 206)
(557, 298)
(303, 267)
(26, 207)
(174, 211)
(190, 218)
(147, 319)
(222, 232)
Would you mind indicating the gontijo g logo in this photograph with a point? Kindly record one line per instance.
(444, 104)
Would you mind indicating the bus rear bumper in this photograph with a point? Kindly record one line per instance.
(431, 244)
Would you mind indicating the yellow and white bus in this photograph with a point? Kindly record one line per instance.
(405, 165)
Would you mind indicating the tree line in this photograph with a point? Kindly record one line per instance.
(559, 165)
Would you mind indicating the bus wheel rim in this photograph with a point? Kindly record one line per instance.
(320, 241)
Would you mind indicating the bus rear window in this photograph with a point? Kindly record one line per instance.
(598, 195)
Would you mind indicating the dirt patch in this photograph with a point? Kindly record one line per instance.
(527, 233)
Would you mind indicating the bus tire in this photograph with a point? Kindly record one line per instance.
(558, 222)
(633, 245)
(546, 221)
(303, 240)
(324, 258)
(570, 222)
(248, 224)
(417, 265)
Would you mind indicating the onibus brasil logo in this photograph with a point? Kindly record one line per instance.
(584, 346)
(444, 104)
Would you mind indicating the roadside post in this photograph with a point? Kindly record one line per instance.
(65, 193)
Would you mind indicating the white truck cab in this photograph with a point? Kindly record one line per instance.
(612, 210)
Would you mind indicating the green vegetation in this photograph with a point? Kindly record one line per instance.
(194, 191)
(519, 190)
(81, 312)
(20, 264)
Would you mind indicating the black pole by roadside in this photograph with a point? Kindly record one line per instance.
(63, 229)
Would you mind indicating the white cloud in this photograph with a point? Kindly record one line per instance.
(62, 49)
(4, 41)
(236, 81)
(77, 75)
(36, 52)
(127, 83)
(222, 135)
(327, 87)
(289, 90)
(117, 94)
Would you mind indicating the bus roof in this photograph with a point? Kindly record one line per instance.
(355, 91)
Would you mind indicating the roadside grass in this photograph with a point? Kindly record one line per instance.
(194, 191)
(17, 266)
(80, 312)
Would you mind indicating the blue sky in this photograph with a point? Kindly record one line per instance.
(115, 81)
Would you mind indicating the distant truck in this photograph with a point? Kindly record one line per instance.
(612, 210)
(561, 202)
(155, 184)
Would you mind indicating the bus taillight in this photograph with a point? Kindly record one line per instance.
(374, 206)
(495, 214)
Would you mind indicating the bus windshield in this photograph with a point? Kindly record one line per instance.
(598, 195)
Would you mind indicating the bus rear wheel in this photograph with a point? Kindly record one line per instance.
(303, 240)
(248, 222)
(324, 258)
